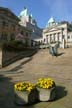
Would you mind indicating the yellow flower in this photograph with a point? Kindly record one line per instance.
(29, 89)
(45, 83)
(23, 86)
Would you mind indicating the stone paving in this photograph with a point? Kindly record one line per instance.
(42, 64)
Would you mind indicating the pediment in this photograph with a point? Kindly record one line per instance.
(54, 29)
(51, 29)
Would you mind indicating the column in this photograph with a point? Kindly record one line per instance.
(60, 37)
(46, 39)
(60, 40)
(49, 39)
(56, 37)
(52, 37)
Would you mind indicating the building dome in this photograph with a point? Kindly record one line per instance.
(24, 12)
(26, 18)
(51, 22)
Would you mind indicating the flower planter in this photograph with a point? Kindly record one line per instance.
(25, 97)
(46, 94)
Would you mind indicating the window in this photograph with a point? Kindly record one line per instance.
(26, 34)
(12, 36)
(54, 36)
(50, 37)
(62, 29)
(4, 37)
(47, 38)
(13, 27)
(46, 35)
(44, 39)
(41, 41)
(3, 24)
(0, 36)
(68, 37)
(22, 33)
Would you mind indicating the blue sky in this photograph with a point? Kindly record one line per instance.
(42, 10)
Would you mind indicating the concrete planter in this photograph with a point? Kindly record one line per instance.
(47, 94)
(25, 97)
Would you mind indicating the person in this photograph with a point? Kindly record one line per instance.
(53, 49)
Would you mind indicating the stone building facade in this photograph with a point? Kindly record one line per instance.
(28, 21)
(58, 32)
(10, 27)
(24, 35)
(69, 39)
(8, 24)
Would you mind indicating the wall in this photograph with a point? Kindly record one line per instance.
(8, 57)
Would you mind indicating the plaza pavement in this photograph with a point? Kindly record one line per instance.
(42, 64)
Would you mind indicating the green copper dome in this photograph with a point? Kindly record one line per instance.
(51, 22)
(24, 12)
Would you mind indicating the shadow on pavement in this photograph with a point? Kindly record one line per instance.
(19, 65)
(6, 92)
(26, 100)
(7, 95)
(60, 92)
(24, 62)
(59, 54)
(16, 67)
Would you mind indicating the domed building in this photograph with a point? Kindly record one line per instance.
(24, 12)
(58, 32)
(27, 20)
